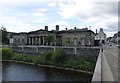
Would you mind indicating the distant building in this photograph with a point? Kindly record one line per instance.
(72, 37)
(100, 37)
(109, 40)
(116, 38)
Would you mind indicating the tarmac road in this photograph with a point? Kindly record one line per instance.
(110, 63)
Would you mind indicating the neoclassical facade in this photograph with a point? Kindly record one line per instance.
(72, 37)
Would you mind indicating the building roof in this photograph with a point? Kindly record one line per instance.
(54, 31)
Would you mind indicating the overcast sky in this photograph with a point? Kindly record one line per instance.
(31, 15)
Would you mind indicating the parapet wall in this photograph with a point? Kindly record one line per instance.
(88, 52)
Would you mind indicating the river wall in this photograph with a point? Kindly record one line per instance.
(87, 52)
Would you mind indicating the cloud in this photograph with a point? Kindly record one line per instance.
(97, 14)
(86, 10)
(14, 25)
(40, 20)
(62, 25)
(38, 14)
(21, 2)
(40, 10)
(27, 15)
(52, 4)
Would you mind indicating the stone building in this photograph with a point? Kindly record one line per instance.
(72, 37)
(116, 38)
(100, 37)
(18, 38)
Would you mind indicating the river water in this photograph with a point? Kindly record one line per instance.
(24, 72)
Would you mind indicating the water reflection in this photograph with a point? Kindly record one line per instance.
(24, 72)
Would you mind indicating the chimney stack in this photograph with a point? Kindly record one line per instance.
(75, 28)
(66, 29)
(46, 28)
(89, 27)
(101, 29)
(57, 27)
(96, 30)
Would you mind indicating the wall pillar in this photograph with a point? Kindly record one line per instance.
(75, 49)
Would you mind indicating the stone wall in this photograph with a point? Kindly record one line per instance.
(87, 52)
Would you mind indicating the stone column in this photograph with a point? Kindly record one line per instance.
(36, 40)
(32, 40)
(39, 40)
(29, 41)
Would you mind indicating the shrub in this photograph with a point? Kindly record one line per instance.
(6, 53)
(47, 56)
(18, 57)
(58, 56)
(35, 59)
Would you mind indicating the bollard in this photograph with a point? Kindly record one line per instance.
(102, 50)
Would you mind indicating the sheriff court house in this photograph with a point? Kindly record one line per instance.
(71, 37)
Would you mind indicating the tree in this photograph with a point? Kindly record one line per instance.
(67, 41)
(50, 39)
(4, 34)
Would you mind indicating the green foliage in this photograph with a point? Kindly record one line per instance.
(50, 38)
(79, 63)
(58, 56)
(47, 56)
(6, 53)
(4, 38)
(66, 41)
(35, 59)
(18, 57)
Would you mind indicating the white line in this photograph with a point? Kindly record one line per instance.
(115, 54)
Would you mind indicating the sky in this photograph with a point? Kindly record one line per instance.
(32, 15)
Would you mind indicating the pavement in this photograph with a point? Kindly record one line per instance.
(110, 63)
(107, 65)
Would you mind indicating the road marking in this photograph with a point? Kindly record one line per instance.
(112, 53)
(116, 66)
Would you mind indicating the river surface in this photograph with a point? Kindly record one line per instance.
(24, 72)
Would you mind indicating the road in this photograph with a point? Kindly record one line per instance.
(110, 58)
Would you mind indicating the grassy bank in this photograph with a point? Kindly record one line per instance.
(57, 58)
